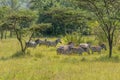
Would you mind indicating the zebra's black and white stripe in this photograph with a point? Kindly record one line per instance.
(98, 48)
(32, 44)
(66, 49)
(53, 43)
(86, 47)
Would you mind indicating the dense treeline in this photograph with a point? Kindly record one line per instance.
(64, 21)
(65, 18)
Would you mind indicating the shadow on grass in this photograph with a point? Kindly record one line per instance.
(114, 59)
(4, 58)
(107, 59)
(18, 54)
(74, 60)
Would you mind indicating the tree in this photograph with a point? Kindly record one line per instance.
(64, 20)
(107, 14)
(15, 22)
(47, 4)
(4, 11)
(40, 28)
(22, 30)
(10, 7)
(14, 5)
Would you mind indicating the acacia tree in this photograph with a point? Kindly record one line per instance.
(107, 14)
(22, 24)
(9, 7)
(15, 21)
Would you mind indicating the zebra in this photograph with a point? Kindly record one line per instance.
(78, 50)
(98, 48)
(32, 44)
(69, 48)
(66, 49)
(42, 42)
(53, 43)
(86, 47)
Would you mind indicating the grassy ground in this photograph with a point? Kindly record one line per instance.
(44, 64)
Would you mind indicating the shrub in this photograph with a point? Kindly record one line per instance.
(74, 37)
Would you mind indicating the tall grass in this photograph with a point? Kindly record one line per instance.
(44, 64)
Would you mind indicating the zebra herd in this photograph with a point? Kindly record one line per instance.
(68, 48)
(83, 47)
(46, 42)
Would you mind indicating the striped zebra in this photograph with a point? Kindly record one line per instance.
(32, 44)
(78, 50)
(42, 42)
(53, 43)
(65, 49)
(86, 47)
(98, 48)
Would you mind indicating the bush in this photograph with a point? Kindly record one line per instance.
(74, 37)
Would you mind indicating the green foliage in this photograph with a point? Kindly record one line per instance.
(116, 38)
(18, 20)
(42, 5)
(39, 28)
(100, 36)
(14, 5)
(106, 13)
(64, 20)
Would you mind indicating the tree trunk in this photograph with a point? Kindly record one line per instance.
(5, 34)
(22, 47)
(110, 40)
(11, 33)
(110, 50)
(20, 41)
(2, 35)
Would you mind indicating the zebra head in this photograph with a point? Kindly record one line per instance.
(58, 41)
(37, 41)
(103, 46)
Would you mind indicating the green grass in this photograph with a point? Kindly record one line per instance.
(42, 63)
